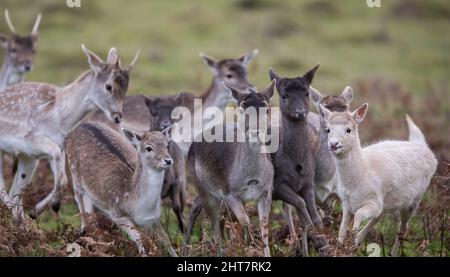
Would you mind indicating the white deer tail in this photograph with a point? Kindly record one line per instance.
(415, 135)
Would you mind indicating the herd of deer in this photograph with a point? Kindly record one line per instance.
(119, 156)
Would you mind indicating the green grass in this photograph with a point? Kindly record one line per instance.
(351, 41)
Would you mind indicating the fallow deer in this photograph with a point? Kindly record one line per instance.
(231, 172)
(386, 177)
(36, 117)
(120, 178)
(326, 175)
(20, 51)
(230, 72)
(294, 163)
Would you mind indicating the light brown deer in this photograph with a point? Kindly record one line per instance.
(120, 178)
(36, 117)
(20, 51)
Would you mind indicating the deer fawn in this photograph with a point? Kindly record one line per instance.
(326, 175)
(385, 177)
(231, 72)
(19, 55)
(120, 178)
(233, 172)
(294, 162)
(36, 117)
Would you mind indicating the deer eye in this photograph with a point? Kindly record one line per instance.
(307, 94)
(149, 149)
(229, 76)
(284, 96)
(155, 113)
(348, 130)
(327, 130)
(108, 88)
(13, 50)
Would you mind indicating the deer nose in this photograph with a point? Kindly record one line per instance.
(117, 117)
(334, 145)
(299, 114)
(27, 68)
(168, 161)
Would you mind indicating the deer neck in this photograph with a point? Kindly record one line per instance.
(9, 75)
(352, 166)
(294, 137)
(217, 95)
(74, 102)
(148, 192)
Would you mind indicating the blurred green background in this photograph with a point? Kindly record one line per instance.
(396, 57)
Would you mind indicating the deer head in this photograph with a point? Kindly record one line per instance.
(20, 50)
(294, 94)
(232, 72)
(111, 83)
(152, 148)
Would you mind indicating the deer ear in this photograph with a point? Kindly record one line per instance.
(324, 112)
(209, 61)
(315, 96)
(247, 58)
(270, 90)
(347, 94)
(168, 131)
(132, 136)
(273, 75)
(183, 98)
(113, 57)
(309, 76)
(237, 95)
(149, 101)
(4, 39)
(95, 62)
(359, 114)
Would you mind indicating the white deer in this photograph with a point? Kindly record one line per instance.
(385, 177)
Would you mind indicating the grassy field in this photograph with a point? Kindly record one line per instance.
(396, 58)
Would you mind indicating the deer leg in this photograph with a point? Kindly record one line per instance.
(287, 210)
(212, 207)
(405, 216)
(164, 238)
(343, 228)
(80, 203)
(264, 205)
(310, 201)
(24, 175)
(286, 194)
(238, 210)
(175, 196)
(4, 198)
(128, 227)
(368, 211)
(195, 212)
(57, 165)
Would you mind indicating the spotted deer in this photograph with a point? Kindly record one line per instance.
(20, 51)
(232, 172)
(121, 175)
(230, 72)
(36, 117)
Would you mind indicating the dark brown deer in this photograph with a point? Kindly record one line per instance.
(294, 163)
(20, 51)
